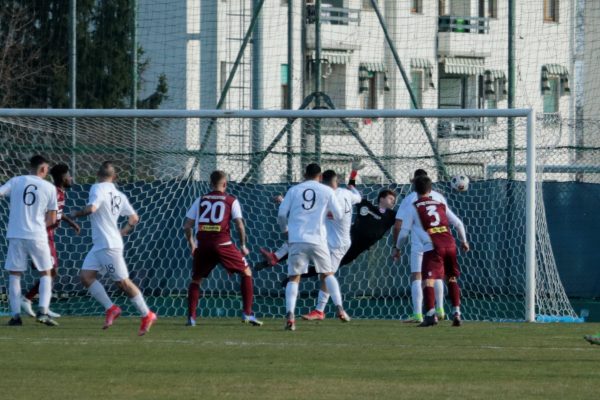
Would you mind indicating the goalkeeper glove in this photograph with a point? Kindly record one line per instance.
(357, 165)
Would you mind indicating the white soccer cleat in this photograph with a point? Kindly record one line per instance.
(26, 307)
(342, 315)
(52, 314)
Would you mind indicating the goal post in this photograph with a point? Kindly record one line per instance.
(173, 155)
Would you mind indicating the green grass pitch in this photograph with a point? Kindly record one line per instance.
(224, 359)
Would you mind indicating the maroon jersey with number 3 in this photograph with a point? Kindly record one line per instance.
(214, 217)
(434, 220)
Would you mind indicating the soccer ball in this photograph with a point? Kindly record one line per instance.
(460, 183)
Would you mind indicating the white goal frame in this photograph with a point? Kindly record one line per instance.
(530, 235)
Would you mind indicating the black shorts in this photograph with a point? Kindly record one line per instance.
(355, 250)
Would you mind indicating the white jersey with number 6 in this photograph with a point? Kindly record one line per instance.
(30, 198)
(338, 231)
(304, 208)
(110, 204)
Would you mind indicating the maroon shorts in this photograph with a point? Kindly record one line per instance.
(208, 255)
(440, 263)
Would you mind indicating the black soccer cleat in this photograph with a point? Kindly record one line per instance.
(259, 266)
(456, 320)
(429, 320)
(15, 321)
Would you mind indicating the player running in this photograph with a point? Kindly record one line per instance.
(62, 181)
(302, 215)
(593, 339)
(430, 220)
(33, 208)
(338, 237)
(212, 215)
(105, 205)
(416, 257)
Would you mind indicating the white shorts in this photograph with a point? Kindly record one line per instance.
(336, 256)
(301, 254)
(416, 260)
(105, 261)
(20, 249)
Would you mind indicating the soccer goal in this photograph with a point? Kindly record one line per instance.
(165, 156)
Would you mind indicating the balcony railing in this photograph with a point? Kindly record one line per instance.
(451, 23)
(469, 128)
(333, 15)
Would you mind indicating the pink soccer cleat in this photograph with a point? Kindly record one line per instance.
(314, 315)
(147, 322)
(269, 256)
(112, 313)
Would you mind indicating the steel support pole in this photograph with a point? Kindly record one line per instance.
(73, 81)
(134, 83)
(318, 77)
(257, 89)
(510, 145)
(440, 163)
(290, 93)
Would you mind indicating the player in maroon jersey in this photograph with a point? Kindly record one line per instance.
(63, 181)
(430, 221)
(211, 215)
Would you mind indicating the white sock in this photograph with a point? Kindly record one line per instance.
(291, 294)
(97, 291)
(139, 303)
(438, 287)
(456, 310)
(45, 293)
(416, 292)
(282, 251)
(14, 294)
(333, 287)
(322, 301)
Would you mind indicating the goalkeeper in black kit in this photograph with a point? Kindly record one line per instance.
(372, 222)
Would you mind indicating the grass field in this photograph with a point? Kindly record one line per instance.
(221, 358)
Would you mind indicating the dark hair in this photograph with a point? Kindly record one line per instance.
(385, 193)
(312, 171)
(419, 172)
(58, 171)
(328, 176)
(106, 170)
(36, 161)
(216, 177)
(422, 185)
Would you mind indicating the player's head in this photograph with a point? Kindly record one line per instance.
(218, 180)
(312, 172)
(330, 178)
(38, 165)
(386, 199)
(61, 176)
(422, 185)
(107, 172)
(418, 172)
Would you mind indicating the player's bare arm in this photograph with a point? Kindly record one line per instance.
(396, 234)
(188, 230)
(50, 217)
(132, 221)
(239, 225)
(74, 225)
(90, 209)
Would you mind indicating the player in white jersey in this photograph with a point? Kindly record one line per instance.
(105, 205)
(302, 215)
(338, 236)
(33, 208)
(416, 256)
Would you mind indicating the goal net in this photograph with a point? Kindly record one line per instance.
(164, 160)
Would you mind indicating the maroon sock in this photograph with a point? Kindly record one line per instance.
(454, 292)
(193, 298)
(429, 298)
(33, 291)
(247, 294)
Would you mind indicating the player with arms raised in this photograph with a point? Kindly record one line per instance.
(62, 181)
(430, 220)
(105, 205)
(416, 256)
(33, 208)
(302, 215)
(212, 215)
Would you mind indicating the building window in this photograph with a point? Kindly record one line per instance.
(492, 104)
(416, 84)
(285, 87)
(442, 7)
(552, 95)
(367, 5)
(492, 9)
(369, 99)
(551, 10)
(416, 6)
